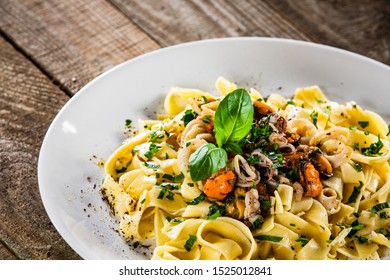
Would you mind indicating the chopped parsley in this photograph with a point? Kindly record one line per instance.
(123, 169)
(353, 127)
(355, 146)
(314, 117)
(173, 220)
(216, 211)
(362, 239)
(331, 238)
(153, 149)
(355, 193)
(188, 116)
(207, 119)
(290, 102)
(205, 100)
(143, 201)
(176, 178)
(154, 137)
(170, 185)
(383, 215)
(164, 191)
(355, 227)
(190, 242)
(385, 232)
(258, 223)
(357, 166)
(265, 203)
(374, 148)
(388, 128)
(380, 206)
(253, 159)
(363, 124)
(128, 122)
(272, 238)
(197, 200)
(151, 165)
(302, 239)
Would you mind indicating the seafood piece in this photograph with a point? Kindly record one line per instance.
(220, 184)
(309, 179)
(235, 205)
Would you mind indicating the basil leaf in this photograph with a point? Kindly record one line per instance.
(234, 117)
(206, 160)
(233, 147)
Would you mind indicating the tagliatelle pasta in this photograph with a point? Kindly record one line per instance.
(242, 176)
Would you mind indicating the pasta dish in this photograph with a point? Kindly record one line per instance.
(243, 176)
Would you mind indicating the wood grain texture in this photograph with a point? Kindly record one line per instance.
(6, 254)
(171, 21)
(361, 26)
(28, 103)
(72, 41)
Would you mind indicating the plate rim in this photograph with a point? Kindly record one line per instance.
(43, 147)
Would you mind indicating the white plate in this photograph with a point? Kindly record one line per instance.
(90, 123)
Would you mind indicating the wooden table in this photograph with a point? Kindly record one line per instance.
(50, 49)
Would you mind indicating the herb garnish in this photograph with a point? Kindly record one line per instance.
(206, 160)
(176, 178)
(233, 118)
(232, 122)
(314, 117)
(151, 165)
(153, 149)
(258, 224)
(216, 211)
(163, 191)
(197, 200)
(173, 220)
(363, 124)
(154, 136)
(188, 116)
(355, 193)
(272, 238)
(362, 239)
(128, 122)
(357, 166)
(190, 242)
(302, 239)
(374, 148)
(380, 206)
(207, 119)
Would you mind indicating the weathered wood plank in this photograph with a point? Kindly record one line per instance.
(360, 26)
(6, 254)
(28, 103)
(72, 41)
(171, 21)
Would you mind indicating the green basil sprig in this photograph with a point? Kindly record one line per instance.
(206, 160)
(234, 117)
(232, 122)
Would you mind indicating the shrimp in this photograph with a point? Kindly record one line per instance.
(220, 184)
